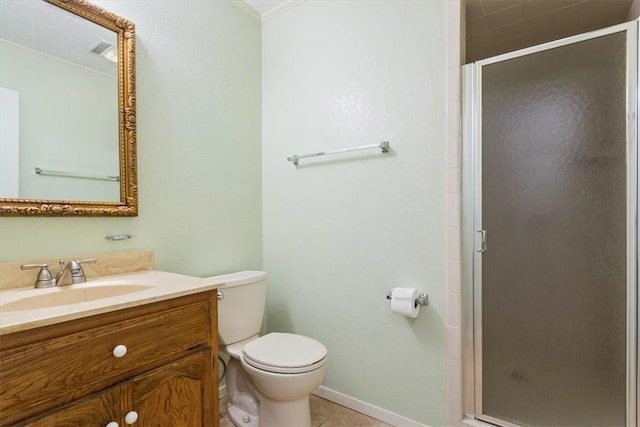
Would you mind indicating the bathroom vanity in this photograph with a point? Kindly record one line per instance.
(145, 358)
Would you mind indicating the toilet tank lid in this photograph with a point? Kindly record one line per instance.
(240, 278)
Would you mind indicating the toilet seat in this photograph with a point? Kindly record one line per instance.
(285, 353)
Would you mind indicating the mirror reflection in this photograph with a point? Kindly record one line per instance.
(59, 105)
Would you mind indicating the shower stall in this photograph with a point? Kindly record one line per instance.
(550, 233)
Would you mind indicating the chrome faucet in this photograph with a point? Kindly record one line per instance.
(45, 280)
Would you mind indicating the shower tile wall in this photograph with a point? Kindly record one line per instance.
(453, 194)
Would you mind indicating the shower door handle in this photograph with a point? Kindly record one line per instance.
(483, 240)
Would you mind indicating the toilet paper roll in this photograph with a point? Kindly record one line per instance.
(404, 301)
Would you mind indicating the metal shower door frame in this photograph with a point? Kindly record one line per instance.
(472, 239)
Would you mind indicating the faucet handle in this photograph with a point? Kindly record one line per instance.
(77, 273)
(30, 266)
(76, 268)
(44, 278)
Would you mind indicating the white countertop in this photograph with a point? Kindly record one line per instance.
(159, 286)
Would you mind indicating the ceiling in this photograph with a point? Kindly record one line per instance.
(46, 29)
(499, 26)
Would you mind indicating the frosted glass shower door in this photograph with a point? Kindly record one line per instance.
(552, 212)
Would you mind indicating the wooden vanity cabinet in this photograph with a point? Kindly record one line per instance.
(67, 374)
(173, 395)
(97, 409)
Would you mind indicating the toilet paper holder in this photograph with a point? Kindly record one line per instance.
(423, 299)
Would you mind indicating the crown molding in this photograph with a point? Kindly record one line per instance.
(269, 14)
(280, 9)
(248, 9)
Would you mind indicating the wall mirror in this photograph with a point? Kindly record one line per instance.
(68, 110)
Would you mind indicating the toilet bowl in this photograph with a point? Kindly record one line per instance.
(279, 371)
(270, 377)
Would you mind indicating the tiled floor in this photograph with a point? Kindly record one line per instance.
(323, 413)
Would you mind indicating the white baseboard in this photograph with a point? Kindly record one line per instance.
(366, 408)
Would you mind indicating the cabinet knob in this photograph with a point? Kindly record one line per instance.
(131, 417)
(112, 424)
(119, 350)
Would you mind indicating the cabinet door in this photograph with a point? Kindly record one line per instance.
(177, 394)
(96, 410)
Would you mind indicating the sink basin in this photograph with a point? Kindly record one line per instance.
(66, 295)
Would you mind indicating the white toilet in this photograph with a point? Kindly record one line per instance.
(269, 378)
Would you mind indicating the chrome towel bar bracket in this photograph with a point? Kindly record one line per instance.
(384, 146)
(117, 237)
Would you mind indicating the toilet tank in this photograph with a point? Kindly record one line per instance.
(241, 309)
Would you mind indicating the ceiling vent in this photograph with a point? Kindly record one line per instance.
(106, 50)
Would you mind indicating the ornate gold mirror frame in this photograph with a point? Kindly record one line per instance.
(128, 205)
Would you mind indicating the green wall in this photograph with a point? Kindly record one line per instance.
(340, 231)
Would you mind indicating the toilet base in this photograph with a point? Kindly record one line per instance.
(286, 414)
(242, 407)
(241, 418)
(294, 413)
(248, 406)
